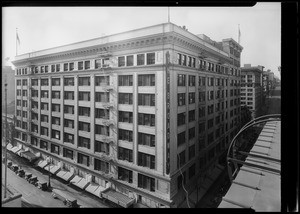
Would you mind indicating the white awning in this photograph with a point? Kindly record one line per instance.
(118, 198)
(20, 151)
(61, 173)
(68, 176)
(9, 147)
(95, 189)
(55, 169)
(43, 163)
(83, 183)
(15, 149)
(76, 179)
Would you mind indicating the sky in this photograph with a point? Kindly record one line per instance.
(46, 27)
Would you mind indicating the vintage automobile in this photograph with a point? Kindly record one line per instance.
(67, 200)
(33, 180)
(42, 185)
(21, 173)
(14, 167)
(28, 175)
(9, 163)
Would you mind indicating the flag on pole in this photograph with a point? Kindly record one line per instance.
(239, 35)
(18, 39)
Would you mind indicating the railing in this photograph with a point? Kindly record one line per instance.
(233, 151)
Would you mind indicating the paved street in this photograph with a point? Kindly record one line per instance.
(38, 198)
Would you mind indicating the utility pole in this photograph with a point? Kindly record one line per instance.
(5, 161)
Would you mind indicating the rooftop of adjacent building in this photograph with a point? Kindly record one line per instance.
(248, 67)
(254, 187)
(136, 33)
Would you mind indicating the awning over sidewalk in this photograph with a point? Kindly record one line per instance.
(118, 198)
(28, 155)
(76, 180)
(42, 163)
(20, 151)
(95, 189)
(83, 183)
(65, 175)
(9, 147)
(55, 169)
(15, 149)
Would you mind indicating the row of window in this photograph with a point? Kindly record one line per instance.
(202, 81)
(141, 59)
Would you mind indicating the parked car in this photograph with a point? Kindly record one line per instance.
(21, 173)
(9, 164)
(67, 200)
(33, 180)
(42, 185)
(28, 175)
(14, 167)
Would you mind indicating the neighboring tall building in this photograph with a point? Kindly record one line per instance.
(8, 76)
(252, 89)
(265, 83)
(132, 112)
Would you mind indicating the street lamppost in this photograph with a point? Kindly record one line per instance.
(48, 161)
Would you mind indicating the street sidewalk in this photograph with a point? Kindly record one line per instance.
(84, 199)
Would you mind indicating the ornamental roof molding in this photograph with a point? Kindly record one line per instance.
(166, 33)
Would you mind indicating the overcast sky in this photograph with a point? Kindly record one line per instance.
(45, 27)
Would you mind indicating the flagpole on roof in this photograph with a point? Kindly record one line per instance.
(16, 41)
(239, 34)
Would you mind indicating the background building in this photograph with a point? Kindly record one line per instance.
(146, 113)
(252, 89)
(8, 76)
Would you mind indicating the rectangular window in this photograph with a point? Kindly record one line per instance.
(179, 58)
(192, 80)
(44, 106)
(146, 182)
(34, 82)
(55, 134)
(84, 81)
(24, 81)
(44, 145)
(181, 80)
(80, 65)
(102, 113)
(210, 123)
(101, 80)
(102, 97)
(101, 147)
(68, 153)
(125, 98)
(68, 138)
(71, 66)
(87, 64)
(125, 135)
(146, 80)
(181, 159)
(181, 138)
(69, 95)
(66, 66)
(34, 93)
(55, 107)
(146, 160)
(44, 94)
(56, 121)
(129, 60)
(146, 119)
(101, 130)
(192, 133)
(141, 59)
(191, 151)
(54, 149)
(201, 127)
(121, 61)
(192, 171)
(98, 63)
(181, 119)
(125, 80)
(124, 174)
(55, 95)
(124, 154)
(201, 96)
(181, 99)
(55, 81)
(69, 123)
(68, 109)
(82, 126)
(101, 166)
(44, 131)
(83, 159)
(150, 58)
(146, 139)
(57, 67)
(84, 96)
(125, 116)
(69, 81)
(84, 111)
(191, 97)
(184, 60)
(84, 142)
(146, 99)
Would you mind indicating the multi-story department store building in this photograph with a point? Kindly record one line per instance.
(124, 112)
